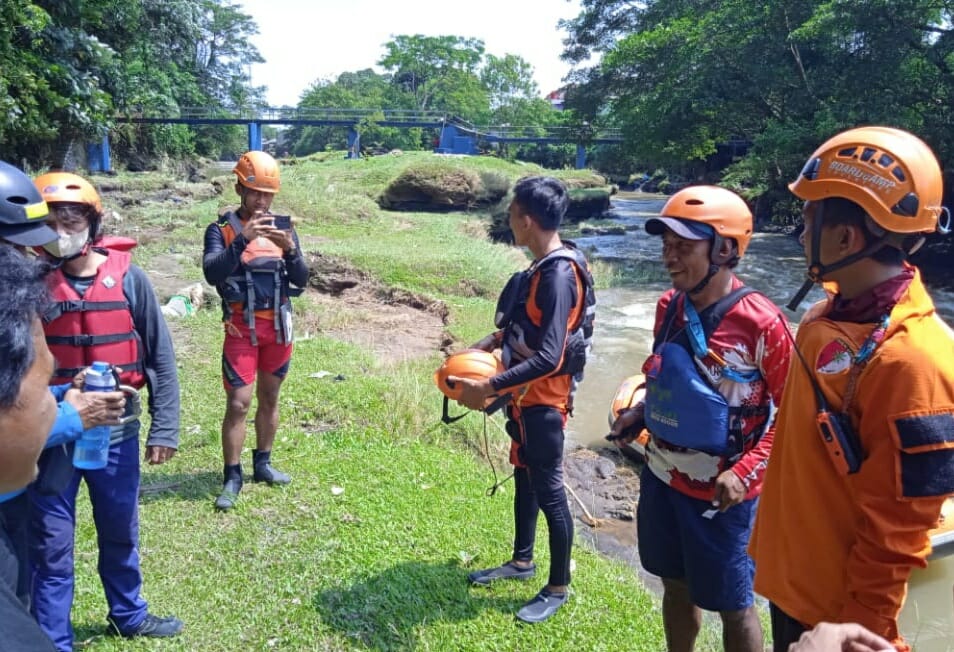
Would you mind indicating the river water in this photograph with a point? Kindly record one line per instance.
(774, 264)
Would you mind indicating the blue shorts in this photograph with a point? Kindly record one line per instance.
(709, 554)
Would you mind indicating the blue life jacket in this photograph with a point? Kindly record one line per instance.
(682, 407)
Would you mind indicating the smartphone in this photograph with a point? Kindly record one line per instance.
(282, 222)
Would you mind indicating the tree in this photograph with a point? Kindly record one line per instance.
(439, 72)
(51, 78)
(363, 89)
(66, 68)
(508, 80)
(682, 76)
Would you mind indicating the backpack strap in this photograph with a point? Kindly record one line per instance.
(233, 220)
(710, 318)
(700, 328)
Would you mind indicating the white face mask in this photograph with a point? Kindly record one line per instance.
(68, 244)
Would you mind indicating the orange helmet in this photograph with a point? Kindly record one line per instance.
(469, 363)
(630, 392)
(67, 187)
(891, 174)
(721, 209)
(258, 171)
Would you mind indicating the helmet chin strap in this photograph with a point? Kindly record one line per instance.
(700, 286)
(817, 271)
(716, 261)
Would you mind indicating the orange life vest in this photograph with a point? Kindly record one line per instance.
(259, 287)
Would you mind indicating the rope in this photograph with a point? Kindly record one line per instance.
(493, 489)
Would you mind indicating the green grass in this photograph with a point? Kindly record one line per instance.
(382, 564)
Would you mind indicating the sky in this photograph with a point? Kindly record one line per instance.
(306, 40)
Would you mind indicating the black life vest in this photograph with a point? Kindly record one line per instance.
(260, 283)
(522, 335)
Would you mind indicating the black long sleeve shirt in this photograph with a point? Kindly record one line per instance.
(220, 261)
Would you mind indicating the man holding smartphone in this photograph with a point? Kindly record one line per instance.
(254, 261)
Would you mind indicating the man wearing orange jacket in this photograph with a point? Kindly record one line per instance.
(864, 447)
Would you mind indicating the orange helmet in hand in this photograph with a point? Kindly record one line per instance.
(469, 363)
(630, 392)
(475, 364)
(258, 171)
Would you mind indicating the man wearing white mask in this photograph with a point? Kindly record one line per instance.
(23, 224)
(103, 309)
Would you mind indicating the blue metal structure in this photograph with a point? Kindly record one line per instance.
(98, 156)
(457, 136)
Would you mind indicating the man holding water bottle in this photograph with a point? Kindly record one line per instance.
(27, 408)
(104, 310)
(23, 216)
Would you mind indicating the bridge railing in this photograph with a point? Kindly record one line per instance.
(293, 114)
(564, 133)
(387, 117)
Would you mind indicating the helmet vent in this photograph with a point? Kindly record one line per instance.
(867, 154)
(898, 174)
(848, 152)
(810, 171)
(17, 199)
(908, 206)
(695, 202)
(885, 161)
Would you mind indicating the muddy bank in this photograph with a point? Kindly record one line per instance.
(603, 488)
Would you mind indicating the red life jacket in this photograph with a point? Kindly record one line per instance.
(97, 326)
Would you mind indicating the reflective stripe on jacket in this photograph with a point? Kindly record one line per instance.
(840, 548)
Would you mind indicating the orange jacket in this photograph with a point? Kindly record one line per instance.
(831, 547)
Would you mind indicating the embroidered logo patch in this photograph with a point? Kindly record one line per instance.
(834, 358)
(109, 281)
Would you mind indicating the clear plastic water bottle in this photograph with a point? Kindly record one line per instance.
(92, 449)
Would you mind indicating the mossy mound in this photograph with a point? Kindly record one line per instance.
(586, 203)
(443, 186)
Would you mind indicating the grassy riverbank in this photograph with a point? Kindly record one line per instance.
(370, 545)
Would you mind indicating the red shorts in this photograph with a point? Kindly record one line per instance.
(241, 361)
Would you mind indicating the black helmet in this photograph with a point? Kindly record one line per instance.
(22, 210)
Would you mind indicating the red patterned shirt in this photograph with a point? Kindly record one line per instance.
(753, 335)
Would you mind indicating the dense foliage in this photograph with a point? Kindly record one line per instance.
(67, 68)
(682, 76)
(450, 74)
